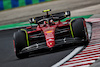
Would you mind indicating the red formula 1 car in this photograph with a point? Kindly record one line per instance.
(48, 33)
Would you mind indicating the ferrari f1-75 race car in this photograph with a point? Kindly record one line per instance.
(49, 32)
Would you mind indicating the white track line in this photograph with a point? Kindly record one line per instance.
(77, 62)
(78, 58)
(85, 66)
(83, 59)
(93, 46)
(93, 49)
(93, 20)
(97, 48)
(89, 51)
(80, 63)
(79, 66)
(81, 55)
(69, 62)
(74, 52)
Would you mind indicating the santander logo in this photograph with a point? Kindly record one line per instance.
(50, 40)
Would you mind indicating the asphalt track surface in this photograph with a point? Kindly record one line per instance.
(8, 58)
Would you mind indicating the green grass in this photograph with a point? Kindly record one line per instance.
(23, 24)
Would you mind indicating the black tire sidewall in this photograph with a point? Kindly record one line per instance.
(79, 28)
(20, 42)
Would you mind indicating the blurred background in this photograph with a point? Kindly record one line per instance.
(14, 11)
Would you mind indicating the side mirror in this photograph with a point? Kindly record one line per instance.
(67, 13)
(32, 20)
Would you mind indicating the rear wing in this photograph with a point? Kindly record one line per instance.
(59, 16)
(62, 15)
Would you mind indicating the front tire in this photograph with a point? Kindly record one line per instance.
(79, 29)
(20, 42)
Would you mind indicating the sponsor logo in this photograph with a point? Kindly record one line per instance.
(49, 31)
(49, 35)
(51, 40)
(50, 43)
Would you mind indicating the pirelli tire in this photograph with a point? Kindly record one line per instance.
(79, 29)
(20, 42)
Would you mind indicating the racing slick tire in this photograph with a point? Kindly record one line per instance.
(79, 29)
(20, 42)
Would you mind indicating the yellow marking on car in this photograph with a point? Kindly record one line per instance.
(26, 36)
(49, 31)
(71, 28)
(47, 10)
(64, 14)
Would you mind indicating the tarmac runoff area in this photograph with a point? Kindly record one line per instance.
(24, 24)
(83, 11)
(77, 8)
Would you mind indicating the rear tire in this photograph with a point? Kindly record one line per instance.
(79, 29)
(20, 42)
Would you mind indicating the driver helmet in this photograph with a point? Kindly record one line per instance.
(45, 22)
(51, 21)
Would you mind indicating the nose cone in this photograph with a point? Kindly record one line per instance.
(50, 38)
(50, 43)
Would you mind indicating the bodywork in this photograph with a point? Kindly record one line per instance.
(47, 34)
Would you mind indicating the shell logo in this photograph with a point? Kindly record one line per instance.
(49, 31)
(50, 43)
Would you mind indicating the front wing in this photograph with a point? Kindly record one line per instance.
(58, 42)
